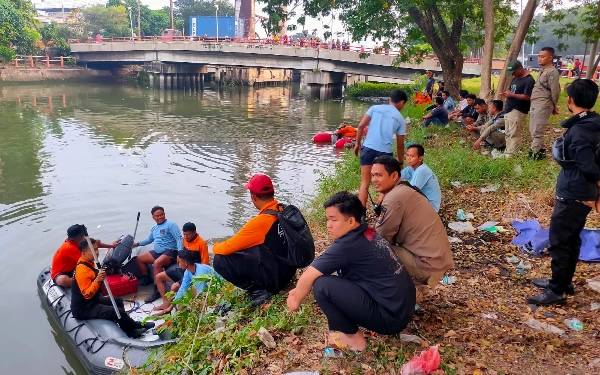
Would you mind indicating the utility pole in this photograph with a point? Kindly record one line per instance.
(171, 8)
(217, 20)
(139, 19)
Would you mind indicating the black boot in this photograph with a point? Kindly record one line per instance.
(547, 297)
(544, 283)
(144, 280)
(154, 296)
(260, 296)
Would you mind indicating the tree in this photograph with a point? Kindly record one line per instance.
(400, 23)
(11, 24)
(48, 33)
(485, 90)
(26, 42)
(515, 46)
(157, 22)
(108, 22)
(184, 9)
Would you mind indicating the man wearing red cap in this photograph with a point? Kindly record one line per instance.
(253, 259)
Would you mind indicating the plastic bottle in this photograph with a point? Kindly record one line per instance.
(449, 280)
(574, 324)
(460, 214)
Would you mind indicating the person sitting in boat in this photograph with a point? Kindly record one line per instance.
(188, 262)
(65, 259)
(372, 288)
(345, 131)
(86, 301)
(197, 248)
(252, 258)
(421, 98)
(167, 241)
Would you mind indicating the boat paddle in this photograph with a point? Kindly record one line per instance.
(134, 232)
(112, 299)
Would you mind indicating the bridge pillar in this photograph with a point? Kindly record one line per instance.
(177, 81)
(202, 80)
(188, 83)
(151, 80)
(324, 85)
(169, 81)
(218, 76)
(161, 81)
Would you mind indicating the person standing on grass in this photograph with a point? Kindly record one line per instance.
(576, 191)
(384, 120)
(430, 83)
(372, 288)
(544, 101)
(518, 102)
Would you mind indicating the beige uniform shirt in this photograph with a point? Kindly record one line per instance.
(409, 220)
(547, 88)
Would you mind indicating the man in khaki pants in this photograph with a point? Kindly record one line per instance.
(517, 105)
(411, 225)
(544, 101)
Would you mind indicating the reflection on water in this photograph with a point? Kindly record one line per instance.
(99, 154)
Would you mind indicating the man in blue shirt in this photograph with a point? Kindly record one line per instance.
(448, 101)
(437, 116)
(421, 176)
(384, 121)
(167, 240)
(430, 83)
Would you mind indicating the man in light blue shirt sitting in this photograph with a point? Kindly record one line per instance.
(384, 122)
(167, 239)
(448, 101)
(421, 176)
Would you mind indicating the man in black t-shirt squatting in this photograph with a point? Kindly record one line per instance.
(518, 102)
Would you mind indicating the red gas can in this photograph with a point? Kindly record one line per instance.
(121, 284)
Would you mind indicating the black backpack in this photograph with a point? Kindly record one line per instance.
(301, 245)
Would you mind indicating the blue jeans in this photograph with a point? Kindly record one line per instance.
(432, 120)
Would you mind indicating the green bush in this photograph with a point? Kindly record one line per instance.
(26, 42)
(61, 47)
(7, 54)
(373, 89)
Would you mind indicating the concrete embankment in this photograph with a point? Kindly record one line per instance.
(11, 74)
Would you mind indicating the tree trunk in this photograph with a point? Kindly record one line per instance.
(485, 92)
(515, 46)
(591, 67)
(452, 69)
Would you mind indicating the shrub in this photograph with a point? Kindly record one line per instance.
(7, 54)
(61, 47)
(373, 89)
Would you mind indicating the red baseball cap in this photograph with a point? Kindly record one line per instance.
(260, 184)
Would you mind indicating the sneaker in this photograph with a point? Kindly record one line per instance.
(260, 296)
(547, 297)
(144, 326)
(144, 280)
(153, 297)
(544, 282)
(135, 334)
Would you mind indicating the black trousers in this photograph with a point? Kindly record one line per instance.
(104, 309)
(248, 270)
(566, 224)
(348, 306)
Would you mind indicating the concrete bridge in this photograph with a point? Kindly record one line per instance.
(192, 57)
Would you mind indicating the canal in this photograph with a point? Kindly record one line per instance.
(97, 154)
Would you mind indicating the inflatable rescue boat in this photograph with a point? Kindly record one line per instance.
(101, 345)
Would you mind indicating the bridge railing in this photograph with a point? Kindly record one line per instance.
(33, 61)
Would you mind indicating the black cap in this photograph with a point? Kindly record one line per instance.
(75, 231)
(189, 227)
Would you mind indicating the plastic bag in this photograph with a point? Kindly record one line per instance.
(424, 364)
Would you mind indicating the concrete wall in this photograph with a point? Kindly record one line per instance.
(251, 76)
(40, 74)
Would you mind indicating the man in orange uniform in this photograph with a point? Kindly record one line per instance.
(254, 258)
(86, 301)
(66, 257)
(191, 241)
(346, 131)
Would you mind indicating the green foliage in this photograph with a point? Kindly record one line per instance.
(26, 42)
(108, 22)
(48, 32)
(571, 27)
(157, 22)
(237, 340)
(11, 23)
(372, 89)
(184, 9)
(61, 48)
(7, 54)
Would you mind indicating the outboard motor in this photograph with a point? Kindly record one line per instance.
(117, 256)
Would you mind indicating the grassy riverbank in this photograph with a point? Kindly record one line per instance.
(451, 317)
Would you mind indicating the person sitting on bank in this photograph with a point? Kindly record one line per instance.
(167, 241)
(462, 104)
(66, 257)
(188, 263)
(438, 115)
(372, 289)
(253, 259)
(86, 301)
(410, 224)
(448, 102)
(483, 117)
(198, 249)
(492, 133)
(421, 176)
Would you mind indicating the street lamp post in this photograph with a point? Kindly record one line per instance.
(217, 20)
(130, 22)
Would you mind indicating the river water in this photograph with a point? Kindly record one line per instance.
(97, 154)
